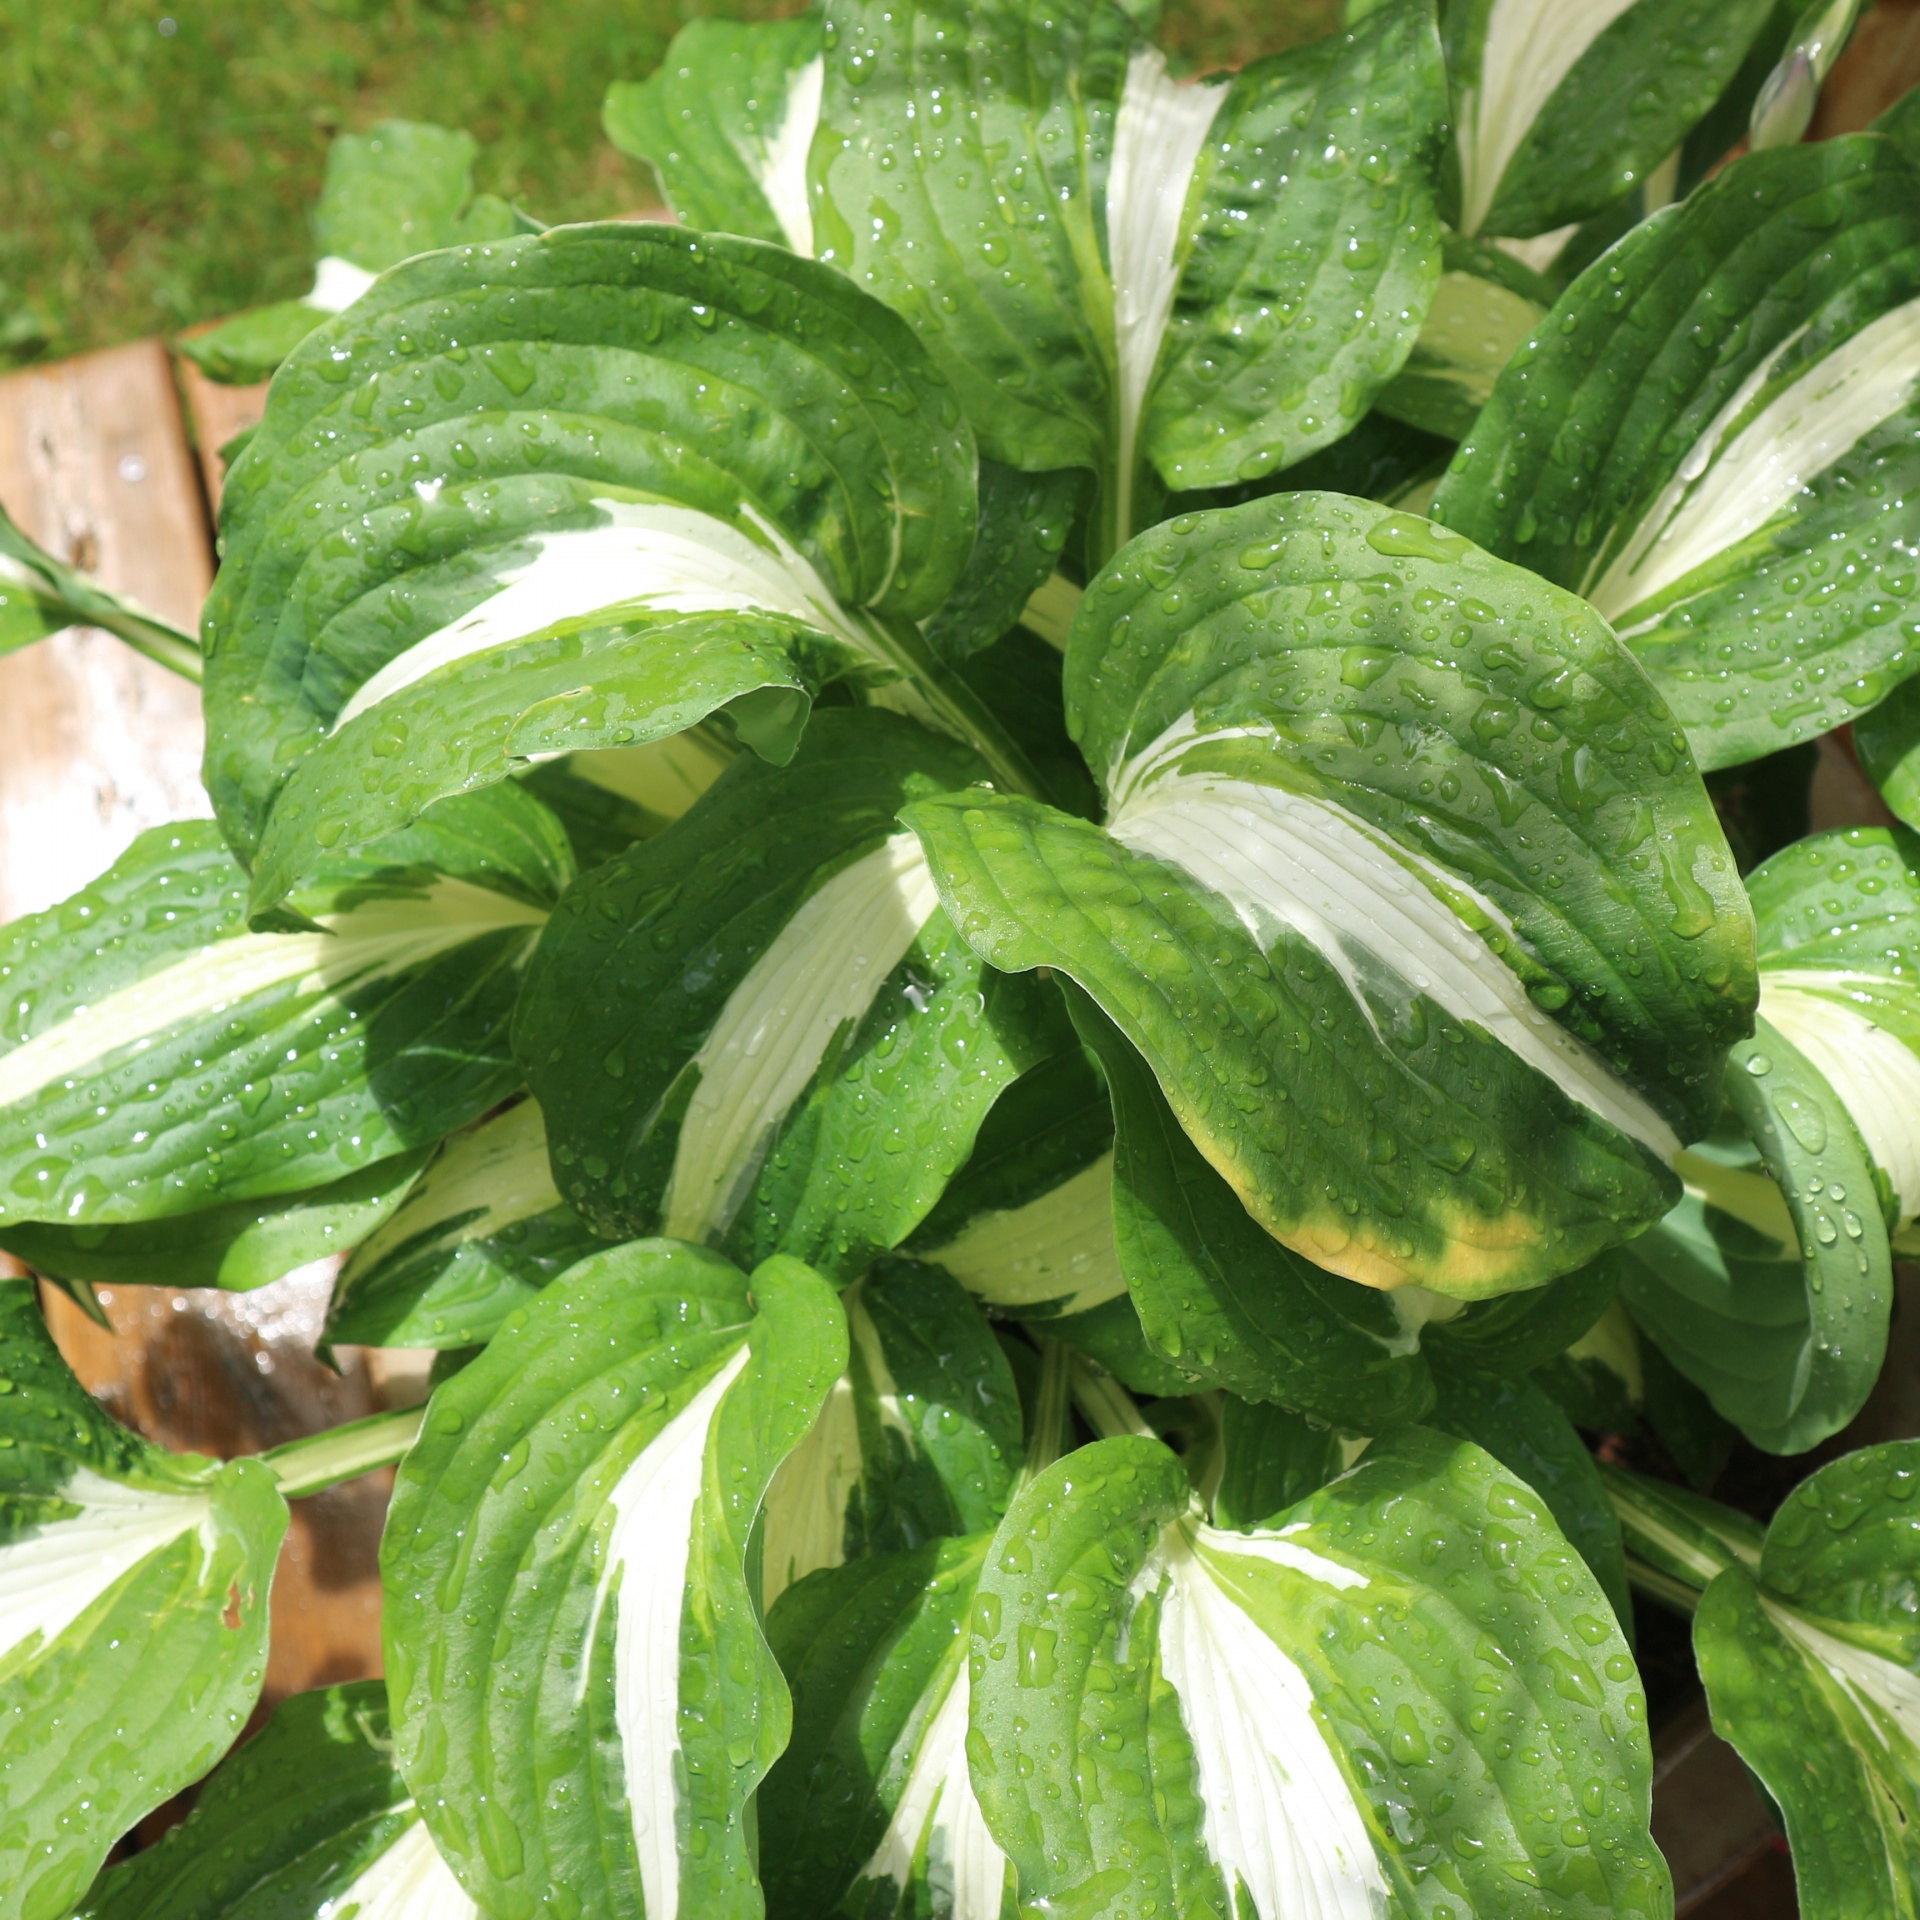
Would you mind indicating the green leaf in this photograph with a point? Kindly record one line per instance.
(1024, 522)
(871, 1809)
(1770, 1284)
(484, 1231)
(158, 1060)
(1327, 1715)
(1838, 917)
(1315, 909)
(571, 491)
(1520, 1331)
(1678, 1533)
(1600, 1380)
(239, 1246)
(1812, 1668)
(919, 1438)
(1561, 107)
(311, 1818)
(590, 1483)
(725, 122)
(1267, 357)
(133, 1618)
(1270, 1460)
(1530, 1436)
(794, 1048)
(40, 596)
(1709, 410)
(1886, 740)
(1224, 1300)
(249, 346)
(1098, 253)
(1901, 124)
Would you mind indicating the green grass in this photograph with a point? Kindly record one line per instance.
(149, 180)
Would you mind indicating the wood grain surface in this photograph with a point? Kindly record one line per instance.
(97, 743)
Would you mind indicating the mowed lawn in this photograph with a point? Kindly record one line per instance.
(157, 159)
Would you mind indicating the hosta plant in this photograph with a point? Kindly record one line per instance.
(987, 878)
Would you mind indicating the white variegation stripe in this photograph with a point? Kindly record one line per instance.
(1157, 136)
(1874, 1075)
(806, 1506)
(1276, 1809)
(50, 1577)
(648, 1547)
(821, 971)
(1057, 1248)
(375, 941)
(665, 776)
(1050, 610)
(779, 162)
(937, 1806)
(409, 1881)
(337, 284)
(1529, 49)
(642, 554)
(1888, 1695)
(1288, 861)
(1416, 1308)
(486, 1179)
(1473, 328)
(807, 1501)
(1722, 493)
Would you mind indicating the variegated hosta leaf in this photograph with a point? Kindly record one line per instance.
(1522, 1427)
(1713, 437)
(871, 1810)
(1770, 1285)
(919, 1438)
(1271, 1459)
(725, 121)
(244, 1244)
(759, 1029)
(1224, 1300)
(484, 1230)
(1483, 310)
(1561, 105)
(133, 1618)
(1811, 1658)
(1838, 917)
(1405, 1692)
(583, 1703)
(568, 492)
(1409, 893)
(158, 1059)
(39, 595)
(402, 187)
(1201, 282)
(310, 1820)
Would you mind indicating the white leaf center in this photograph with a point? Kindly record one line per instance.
(821, 970)
(408, 1882)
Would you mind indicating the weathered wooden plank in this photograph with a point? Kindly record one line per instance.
(97, 743)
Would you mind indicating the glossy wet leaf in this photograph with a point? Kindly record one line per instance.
(871, 1809)
(1713, 439)
(920, 1438)
(1770, 1284)
(157, 1059)
(573, 491)
(133, 1618)
(481, 1233)
(1561, 106)
(309, 1819)
(1337, 746)
(1337, 1710)
(793, 1046)
(244, 1244)
(590, 1484)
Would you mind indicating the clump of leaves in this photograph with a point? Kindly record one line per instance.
(1037, 996)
